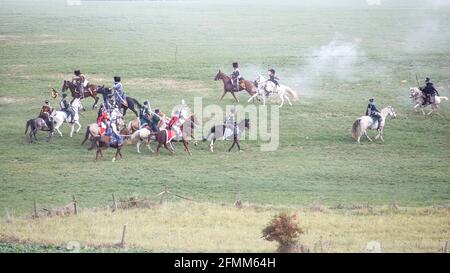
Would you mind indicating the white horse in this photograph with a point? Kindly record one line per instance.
(267, 88)
(418, 99)
(59, 117)
(363, 123)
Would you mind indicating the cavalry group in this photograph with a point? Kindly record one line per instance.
(110, 129)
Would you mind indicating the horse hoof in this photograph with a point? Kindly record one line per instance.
(114, 159)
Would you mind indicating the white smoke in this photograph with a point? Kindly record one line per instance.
(337, 59)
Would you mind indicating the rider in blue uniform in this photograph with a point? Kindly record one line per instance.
(373, 112)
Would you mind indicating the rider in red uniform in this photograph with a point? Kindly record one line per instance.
(103, 121)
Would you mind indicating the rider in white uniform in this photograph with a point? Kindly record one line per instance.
(229, 124)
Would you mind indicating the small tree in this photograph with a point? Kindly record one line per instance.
(284, 230)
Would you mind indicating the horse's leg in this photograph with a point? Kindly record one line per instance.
(432, 110)
(134, 111)
(223, 95)
(365, 133)
(282, 101)
(288, 100)
(79, 127)
(72, 128)
(57, 130)
(186, 147)
(158, 148)
(96, 98)
(234, 96)
(423, 112)
(211, 146)
(170, 150)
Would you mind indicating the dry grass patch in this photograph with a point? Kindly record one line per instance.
(186, 227)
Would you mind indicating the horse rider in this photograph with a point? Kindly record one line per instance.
(144, 114)
(112, 130)
(174, 123)
(101, 109)
(155, 120)
(67, 108)
(80, 81)
(110, 102)
(45, 114)
(103, 121)
(236, 76)
(229, 123)
(120, 93)
(373, 112)
(429, 91)
(274, 79)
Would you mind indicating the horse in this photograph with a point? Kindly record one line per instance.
(363, 123)
(131, 102)
(219, 130)
(89, 91)
(228, 86)
(38, 124)
(104, 142)
(166, 136)
(140, 136)
(59, 117)
(93, 130)
(418, 99)
(264, 86)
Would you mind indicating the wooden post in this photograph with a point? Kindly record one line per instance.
(394, 201)
(114, 202)
(446, 247)
(124, 230)
(176, 53)
(35, 209)
(74, 205)
(238, 202)
(162, 195)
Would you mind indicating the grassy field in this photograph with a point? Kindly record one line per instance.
(334, 56)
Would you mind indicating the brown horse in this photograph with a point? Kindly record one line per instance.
(228, 85)
(186, 132)
(103, 142)
(89, 91)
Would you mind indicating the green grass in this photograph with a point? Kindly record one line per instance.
(42, 42)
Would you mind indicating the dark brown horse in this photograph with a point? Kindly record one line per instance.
(89, 91)
(228, 85)
(103, 142)
(186, 132)
(38, 124)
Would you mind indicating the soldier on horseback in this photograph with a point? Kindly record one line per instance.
(429, 92)
(144, 114)
(236, 76)
(228, 123)
(80, 81)
(274, 79)
(45, 114)
(156, 118)
(120, 93)
(103, 121)
(67, 108)
(373, 112)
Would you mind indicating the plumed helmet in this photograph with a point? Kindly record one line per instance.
(46, 101)
(235, 65)
(145, 102)
(427, 79)
(64, 95)
(272, 71)
(77, 72)
(371, 99)
(157, 110)
(116, 78)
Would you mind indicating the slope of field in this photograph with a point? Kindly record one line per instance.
(334, 57)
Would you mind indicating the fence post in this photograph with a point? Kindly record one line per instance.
(35, 209)
(162, 195)
(446, 247)
(124, 230)
(394, 201)
(114, 202)
(75, 211)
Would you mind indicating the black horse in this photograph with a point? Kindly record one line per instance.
(131, 102)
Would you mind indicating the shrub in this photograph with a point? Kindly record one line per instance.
(284, 230)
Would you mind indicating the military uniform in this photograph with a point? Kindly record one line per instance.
(45, 115)
(429, 92)
(274, 79)
(144, 115)
(373, 112)
(155, 121)
(80, 81)
(236, 76)
(120, 93)
(65, 106)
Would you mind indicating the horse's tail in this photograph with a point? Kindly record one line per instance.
(292, 93)
(86, 136)
(29, 124)
(136, 102)
(95, 143)
(356, 128)
(444, 98)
